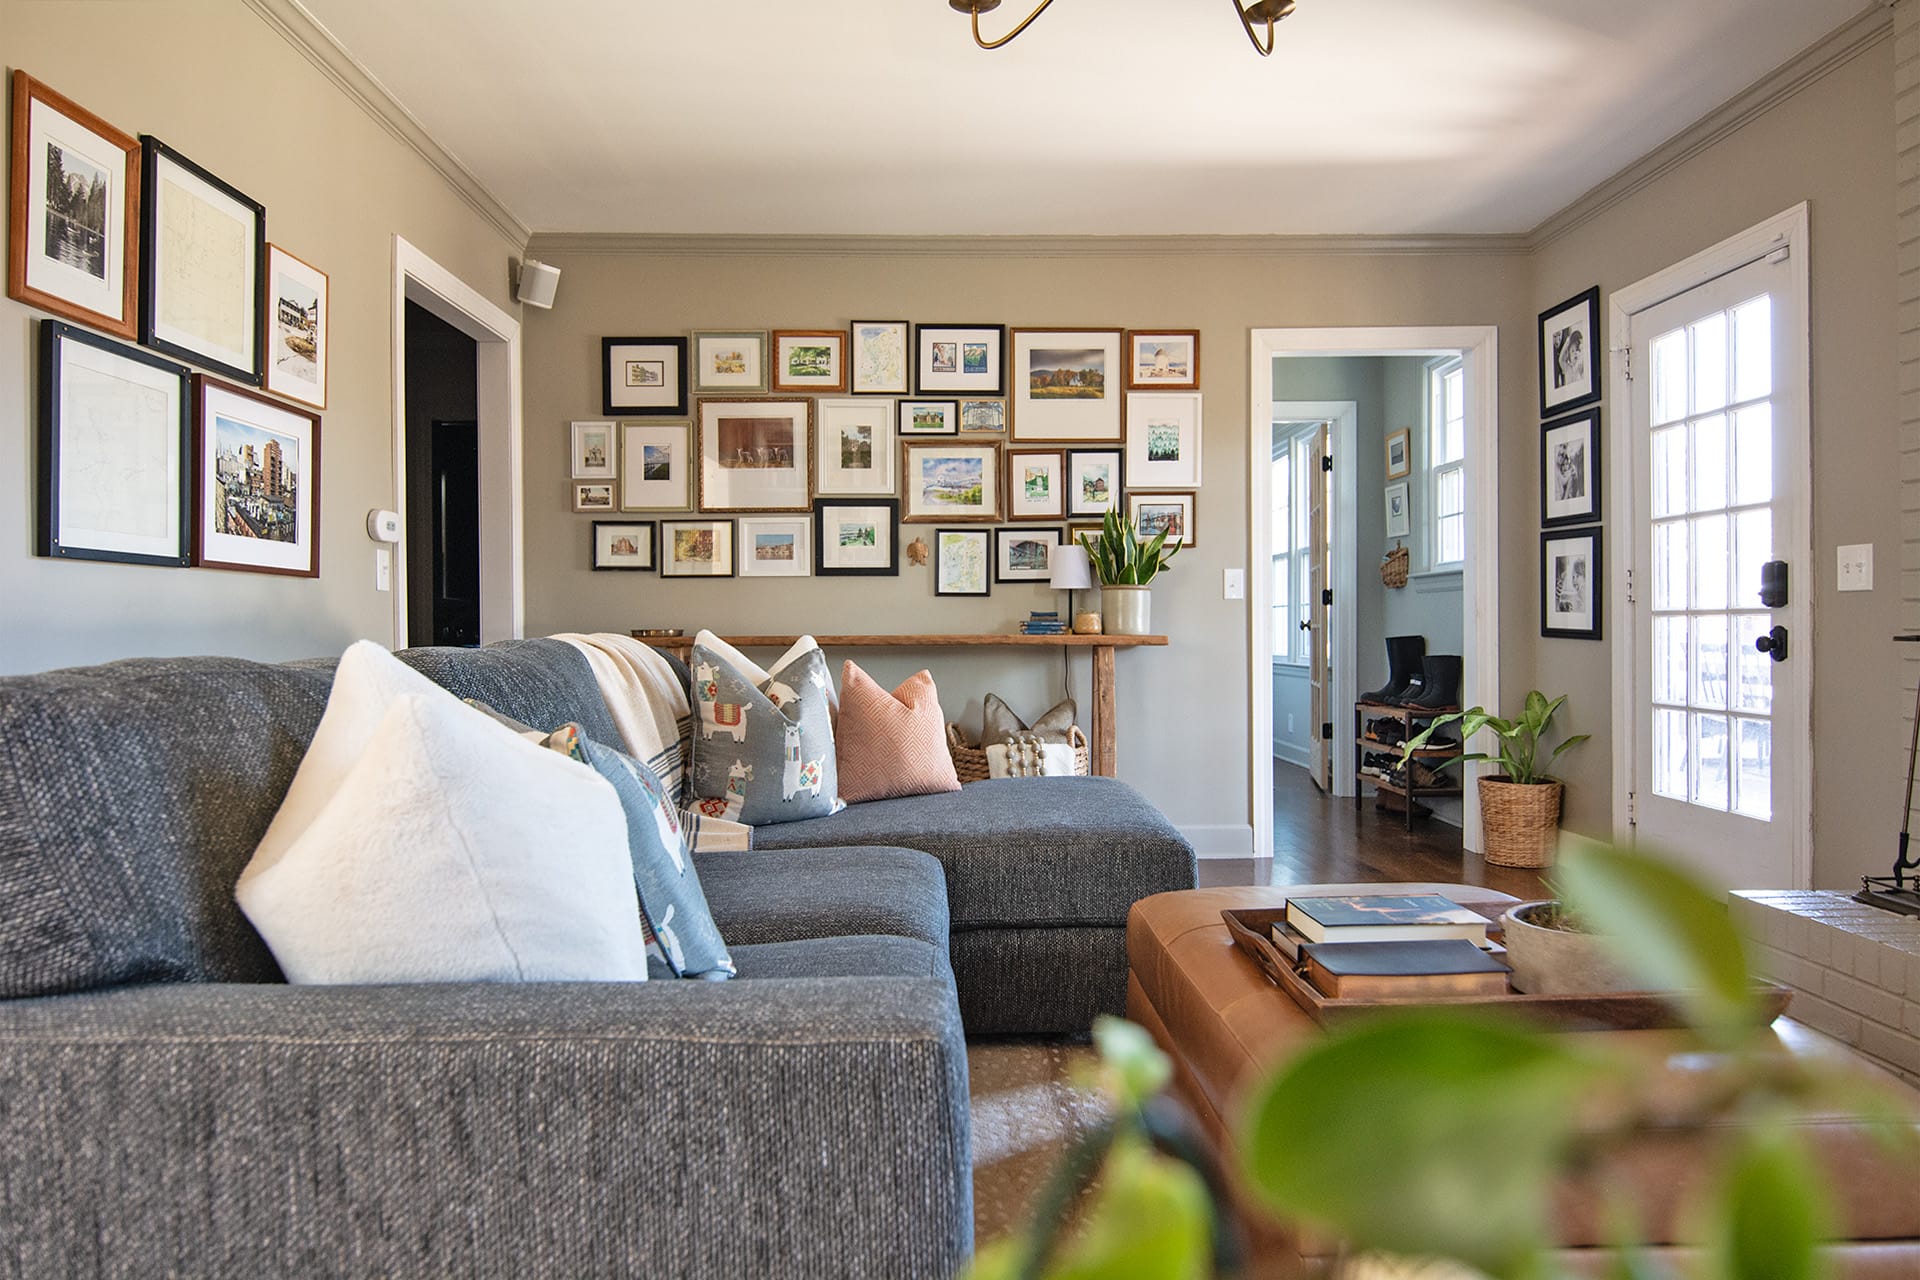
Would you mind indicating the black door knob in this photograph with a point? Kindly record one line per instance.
(1773, 643)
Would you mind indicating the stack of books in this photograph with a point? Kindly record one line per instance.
(1043, 623)
(1390, 948)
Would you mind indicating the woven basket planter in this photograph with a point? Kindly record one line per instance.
(1521, 821)
(970, 763)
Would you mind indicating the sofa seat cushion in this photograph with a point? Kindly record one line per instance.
(861, 956)
(782, 895)
(1021, 852)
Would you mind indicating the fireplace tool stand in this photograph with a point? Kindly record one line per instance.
(1899, 892)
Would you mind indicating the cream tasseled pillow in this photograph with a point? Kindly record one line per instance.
(891, 744)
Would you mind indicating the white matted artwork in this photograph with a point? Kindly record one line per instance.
(856, 538)
(775, 546)
(1036, 484)
(960, 359)
(259, 482)
(1570, 470)
(1570, 584)
(929, 417)
(951, 482)
(1170, 513)
(622, 544)
(729, 360)
(204, 256)
(1399, 520)
(592, 451)
(1568, 372)
(1163, 439)
(854, 447)
(983, 417)
(594, 495)
(656, 466)
(878, 361)
(1163, 359)
(1094, 481)
(296, 328)
(1024, 555)
(1066, 384)
(754, 454)
(696, 548)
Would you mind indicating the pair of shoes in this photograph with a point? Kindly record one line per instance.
(1377, 763)
(1437, 686)
(1403, 669)
(1388, 730)
(1424, 779)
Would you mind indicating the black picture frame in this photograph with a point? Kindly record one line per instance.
(986, 561)
(891, 542)
(665, 403)
(1037, 532)
(1554, 620)
(930, 381)
(651, 536)
(154, 155)
(55, 335)
(1555, 440)
(1566, 382)
(1077, 510)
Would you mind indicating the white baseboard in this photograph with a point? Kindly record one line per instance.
(1223, 840)
(1290, 752)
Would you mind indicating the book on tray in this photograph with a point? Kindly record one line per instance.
(1422, 918)
(1403, 970)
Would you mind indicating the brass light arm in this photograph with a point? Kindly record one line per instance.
(1250, 15)
(977, 7)
(1267, 11)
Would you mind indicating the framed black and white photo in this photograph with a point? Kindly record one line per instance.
(1570, 470)
(1024, 555)
(1169, 513)
(929, 417)
(296, 328)
(643, 377)
(775, 546)
(656, 466)
(962, 562)
(1163, 439)
(729, 361)
(696, 548)
(257, 482)
(1066, 385)
(1400, 454)
(1569, 363)
(623, 544)
(591, 451)
(879, 358)
(855, 538)
(964, 359)
(1093, 481)
(1570, 584)
(203, 255)
(854, 447)
(1399, 522)
(754, 454)
(115, 427)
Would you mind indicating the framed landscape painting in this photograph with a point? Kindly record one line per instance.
(643, 377)
(775, 546)
(257, 483)
(729, 362)
(879, 357)
(809, 360)
(203, 255)
(1570, 470)
(1163, 439)
(594, 495)
(754, 454)
(1094, 481)
(961, 562)
(1024, 555)
(1172, 513)
(1065, 386)
(656, 466)
(929, 417)
(696, 548)
(951, 482)
(1036, 484)
(854, 451)
(856, 538)
(1569, 377)
(1163, 360)
(622, 544)
(964, 359)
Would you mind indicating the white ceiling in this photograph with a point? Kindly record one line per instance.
(1108, 117)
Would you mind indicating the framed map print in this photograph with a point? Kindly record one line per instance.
(203, 251)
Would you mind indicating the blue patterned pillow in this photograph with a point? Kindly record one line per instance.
(763, 749)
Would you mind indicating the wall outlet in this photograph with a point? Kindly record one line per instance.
(1236, 584)
(1289, 726)
(382, 569)
(1856, 567)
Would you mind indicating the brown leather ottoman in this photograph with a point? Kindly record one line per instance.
(1225, 1026)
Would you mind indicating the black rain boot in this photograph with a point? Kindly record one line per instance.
(1439, 684)
(1403, 668)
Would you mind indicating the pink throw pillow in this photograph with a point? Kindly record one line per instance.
(891, 744)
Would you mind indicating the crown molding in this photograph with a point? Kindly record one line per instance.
(1839, 47)
(615, 243)
(305, 33)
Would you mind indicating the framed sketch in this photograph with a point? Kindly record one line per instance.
(696, 548)
(1094, 481)
(1173, 512)
(809, 360)
(1163, 360)
(965, 359)
(856, 538)
(595, 495)
(1036, 484)
(854, 447)
(1163, 439)
(729, 362)
(929, 417)
(1570, 584)
(961, 560)
(591, 454)
(951, 482)
(1570, 470)
(114, 449)
(754, 454)
(656, 466)
(1569, 376)
(1024, 555)
(1399, 522)
(296, 328)
(643, 377)
(775, 546)
(203, 256)
(1400, 453)
(256, 483)
(1063, 384)
(74, 245)
(623, 544)
(878, 357)
(983, 417)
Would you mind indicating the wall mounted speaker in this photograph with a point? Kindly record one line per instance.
(537, 284)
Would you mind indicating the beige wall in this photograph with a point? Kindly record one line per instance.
(212, 79)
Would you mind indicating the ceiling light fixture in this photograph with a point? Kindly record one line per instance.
(1259, 13)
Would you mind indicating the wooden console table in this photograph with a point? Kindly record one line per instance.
(1102, 736)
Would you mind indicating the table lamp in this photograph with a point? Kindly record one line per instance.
(1071, 571)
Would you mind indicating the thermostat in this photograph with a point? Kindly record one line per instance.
(383, 526)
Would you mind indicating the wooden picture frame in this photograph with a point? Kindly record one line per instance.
(1064, 386)
(1570, 470)
(595, 496)
(69, 253)
(296, 323)
(809, 360)
(1400, 453)
(854, 447)
(1163, 359)
(656, 466)
(950, 482)
(880, 357)
(856, 538)
(929, 417)
(593, 450)
(1096, 481)
(1569, 351)
(696, 549)
(203, 266)
(1036, 483)
(1014, 557)
(256, 484)
(755, 453)
(643, 377)
(1164, 432)
(1151, 512)
(1570, 583)
(728, 361)
(623, 545)
(962, 562)
(960, 359)
(775, 546)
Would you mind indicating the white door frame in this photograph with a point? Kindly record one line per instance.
(496, 334)
(1787, 231)
(1478, 347)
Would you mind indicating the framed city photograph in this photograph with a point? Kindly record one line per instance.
(256, 482)
(962, 559)
(656, 466)
(1399, 520)
(809, 360)
(1163, 439)
(696, 548)
(929, 417)
(1064, 388)
(965, 359)
(1570, 584)
(296, 328)
(594, 495)
(203, 256)
(114, 451)
(643, 377)
(1569, 376)
(1036, 484)
(1172, 512)
(854, 447)
(623, 544)
(591, 451)
(1093, 481)
(983, 417)
(1400, 454)
(728, 361)
(1570, 470)
(1163, 359)
(1024, 555)
(754, 454)
(879, 357)
(74, 242)
(775, 546)
(951, 482)
(856, 538)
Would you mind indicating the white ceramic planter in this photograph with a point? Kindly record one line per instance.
(1555, 962)
(1126, 611)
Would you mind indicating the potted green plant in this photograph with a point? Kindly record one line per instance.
(1125, 564)
(1519, 806)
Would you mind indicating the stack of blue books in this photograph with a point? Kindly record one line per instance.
(1043, 623)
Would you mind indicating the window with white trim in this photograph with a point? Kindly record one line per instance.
(1293, 464)
(1446, 463)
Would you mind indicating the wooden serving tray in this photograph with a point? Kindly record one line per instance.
(1623, 1011)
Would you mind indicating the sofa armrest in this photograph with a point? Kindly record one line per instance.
(777, 1126)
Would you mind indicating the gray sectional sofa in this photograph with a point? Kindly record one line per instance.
(168, 1105)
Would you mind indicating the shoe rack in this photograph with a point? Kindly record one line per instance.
(1371, 720)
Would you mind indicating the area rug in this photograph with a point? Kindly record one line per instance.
(1025, 1113)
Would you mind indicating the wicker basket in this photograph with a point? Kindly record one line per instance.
(1521, 821)
(970, 763)
(1393, 568)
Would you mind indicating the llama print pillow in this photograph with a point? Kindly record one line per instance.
(762, 752)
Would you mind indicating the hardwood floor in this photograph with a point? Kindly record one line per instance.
(1320, 839)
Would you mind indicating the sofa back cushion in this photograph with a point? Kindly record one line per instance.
(545, 683)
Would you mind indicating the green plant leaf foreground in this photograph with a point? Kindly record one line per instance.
(1773, 1213)
(1422, 1133)
(1132, 1067)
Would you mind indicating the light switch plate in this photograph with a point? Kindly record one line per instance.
(383, 568)
(1856, 567)
(1236, 584)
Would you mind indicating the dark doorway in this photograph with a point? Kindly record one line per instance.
(443, 483)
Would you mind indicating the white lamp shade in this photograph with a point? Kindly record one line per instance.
(1071, 570)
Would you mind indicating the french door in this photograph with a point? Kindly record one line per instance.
(1319, 669)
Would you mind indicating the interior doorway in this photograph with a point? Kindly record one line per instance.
(443, 482)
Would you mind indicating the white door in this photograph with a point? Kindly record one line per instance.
(1718, 448)
(1320, 746)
